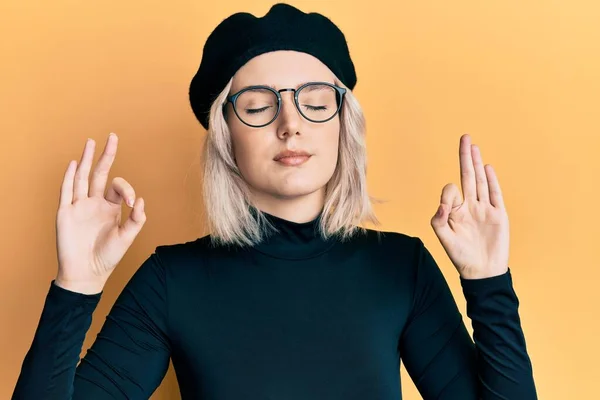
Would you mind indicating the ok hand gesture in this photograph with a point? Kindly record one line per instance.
(473, 228)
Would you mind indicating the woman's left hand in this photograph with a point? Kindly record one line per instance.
(474, 232)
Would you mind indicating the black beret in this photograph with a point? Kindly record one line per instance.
(243, 36)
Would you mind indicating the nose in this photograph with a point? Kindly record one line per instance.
(289, 119)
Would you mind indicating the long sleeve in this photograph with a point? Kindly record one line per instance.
(129, 357)
(438, 352)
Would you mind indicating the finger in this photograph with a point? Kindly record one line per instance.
(132, 226)
(449, 200)
(80, 190)
(450, 197)
(467, 172)
(100, 173)
(480, 177)
(120, 190)
(66, 190)
(496, 198)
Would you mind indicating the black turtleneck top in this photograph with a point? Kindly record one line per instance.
(296, 317)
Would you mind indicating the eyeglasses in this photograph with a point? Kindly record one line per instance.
(258, 106)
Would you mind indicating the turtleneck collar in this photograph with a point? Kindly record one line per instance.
(293, 240)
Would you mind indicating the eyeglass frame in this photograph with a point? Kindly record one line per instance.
(233, 98)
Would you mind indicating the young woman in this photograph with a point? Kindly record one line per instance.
(288, 298)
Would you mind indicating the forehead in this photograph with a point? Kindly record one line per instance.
(281, 69)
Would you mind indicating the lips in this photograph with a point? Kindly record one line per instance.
(291, 157)
(291, 153)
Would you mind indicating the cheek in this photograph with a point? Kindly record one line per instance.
(249, 147)
(329, 148)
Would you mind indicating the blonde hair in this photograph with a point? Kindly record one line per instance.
(232, 220)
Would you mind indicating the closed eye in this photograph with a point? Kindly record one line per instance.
(315, 108)
(256, 110)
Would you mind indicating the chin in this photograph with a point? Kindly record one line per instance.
(293, 191)
(288, 186)
(293, 188)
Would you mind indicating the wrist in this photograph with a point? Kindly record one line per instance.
(83, 287)
(484, 274)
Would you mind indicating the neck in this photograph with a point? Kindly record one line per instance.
(293, 240)
(297, 209)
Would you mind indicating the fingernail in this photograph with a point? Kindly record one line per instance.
(130, 202)
(440, 211)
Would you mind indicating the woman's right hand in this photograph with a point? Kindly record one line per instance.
(89, 240)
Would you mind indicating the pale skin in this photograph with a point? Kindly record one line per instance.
(92, 239)
(474, 230)
(293, 193)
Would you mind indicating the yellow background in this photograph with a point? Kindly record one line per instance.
(522, 77)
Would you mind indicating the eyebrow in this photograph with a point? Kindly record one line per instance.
(274, 88)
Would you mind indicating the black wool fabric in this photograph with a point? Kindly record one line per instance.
(242, 36)
(294, 318)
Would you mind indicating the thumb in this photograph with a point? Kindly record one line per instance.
(133, 225)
